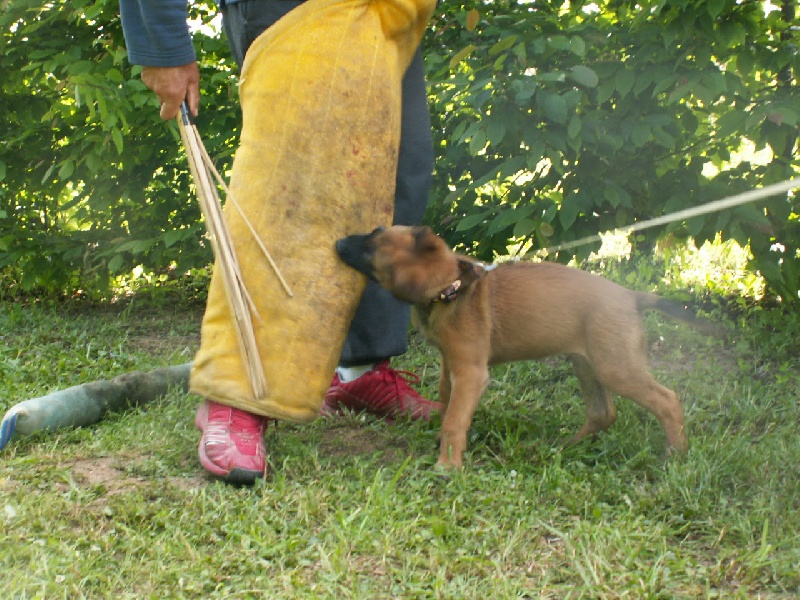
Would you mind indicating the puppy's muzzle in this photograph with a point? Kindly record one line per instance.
(357, 251)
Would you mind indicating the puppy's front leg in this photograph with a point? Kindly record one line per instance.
(468, 383)
(445, 386)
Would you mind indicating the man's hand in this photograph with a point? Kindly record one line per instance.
(173, 85)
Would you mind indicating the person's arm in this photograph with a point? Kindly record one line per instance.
(157, 37)
(156, 32)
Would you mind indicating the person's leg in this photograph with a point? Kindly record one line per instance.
(244, 21)
(232, 444)
(380, 328)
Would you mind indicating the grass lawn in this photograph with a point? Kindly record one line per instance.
(354, 509)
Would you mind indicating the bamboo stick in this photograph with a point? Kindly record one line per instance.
(225, 253)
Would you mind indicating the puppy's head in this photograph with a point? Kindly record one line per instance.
(413, 263)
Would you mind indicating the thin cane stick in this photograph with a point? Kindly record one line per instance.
(221, 182)
(226, 256)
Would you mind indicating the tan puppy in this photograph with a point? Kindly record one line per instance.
(478, 315)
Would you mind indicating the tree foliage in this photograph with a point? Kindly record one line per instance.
(561, 120)
(93, 182)
(554, 121)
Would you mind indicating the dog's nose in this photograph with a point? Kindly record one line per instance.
(378, 230)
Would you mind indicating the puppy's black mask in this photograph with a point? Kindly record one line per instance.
(356, 251)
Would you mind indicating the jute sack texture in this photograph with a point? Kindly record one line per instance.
(320, 93)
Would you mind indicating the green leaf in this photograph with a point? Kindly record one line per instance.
(714, 7)
(503, 220)
(555, 108)
(478, 142)
(495, 131)
(568, 212)
(461, 55)
(546, 229)
(115, 263)
(753, 215)
(663, 138)
(623, 82)
(559, 42)
(502, 45)
(48, 173)
(574, 127)
(640, 134)
(458, 132)
(788, 117)
(524, 227)
(173, 236)
(116, 137)
(605, 91)
(616, 196)
(695, 225)
(567, 215)
(745, 61)
(521, 52)
(472, 221)
(731, 122)
(66, 170)
(577, 46)
(584, 76)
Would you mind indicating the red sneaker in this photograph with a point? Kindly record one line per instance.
(382, 391)
(232, 446)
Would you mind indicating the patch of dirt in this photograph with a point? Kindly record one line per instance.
(356, 440)
(110, 474)
(158, 345)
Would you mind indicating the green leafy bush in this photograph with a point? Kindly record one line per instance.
(554, 121)
(557, 121)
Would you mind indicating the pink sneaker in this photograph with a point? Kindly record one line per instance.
(232, 446)
(382, 391)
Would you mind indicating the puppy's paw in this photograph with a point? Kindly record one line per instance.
(444, 471)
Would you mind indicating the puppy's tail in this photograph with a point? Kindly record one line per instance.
(676, 311)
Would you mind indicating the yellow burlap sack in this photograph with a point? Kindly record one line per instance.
(320, 93)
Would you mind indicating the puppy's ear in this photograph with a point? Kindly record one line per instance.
(425, 241)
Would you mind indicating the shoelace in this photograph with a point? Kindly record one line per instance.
(405, 376)
(402, 379)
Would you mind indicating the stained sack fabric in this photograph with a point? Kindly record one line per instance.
(321, 101)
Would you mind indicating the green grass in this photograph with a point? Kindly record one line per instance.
(354, 508)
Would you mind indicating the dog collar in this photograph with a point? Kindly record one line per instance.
(468, 276)
(450, 293)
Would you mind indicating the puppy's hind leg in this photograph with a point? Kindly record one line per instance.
(662, 402)
(600, 410)
(631, 378)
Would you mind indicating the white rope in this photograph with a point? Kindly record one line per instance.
(725, 203)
